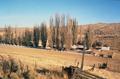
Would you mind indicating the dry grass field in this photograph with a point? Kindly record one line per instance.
(54, 60)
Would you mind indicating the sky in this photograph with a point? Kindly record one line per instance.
(32, 12)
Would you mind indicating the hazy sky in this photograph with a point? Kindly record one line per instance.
(31, 12)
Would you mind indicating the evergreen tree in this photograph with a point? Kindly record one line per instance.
(43, 32)
(27, 38)
(36, 36)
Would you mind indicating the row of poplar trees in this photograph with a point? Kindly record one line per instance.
(29, 37)
(60, 34)
(63, 32)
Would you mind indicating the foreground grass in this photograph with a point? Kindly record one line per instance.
(13, 69)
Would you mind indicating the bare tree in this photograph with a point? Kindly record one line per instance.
(57, 25)
(8, 35)
(74, 32)
(15, 39)
(62, 32)
(52, 34)
(89, 37)
(68, 36)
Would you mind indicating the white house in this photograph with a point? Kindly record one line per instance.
(105, 48)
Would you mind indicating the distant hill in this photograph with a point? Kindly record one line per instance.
(107, 33)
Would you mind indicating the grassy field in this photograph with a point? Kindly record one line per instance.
(48, 57)
(53, 60)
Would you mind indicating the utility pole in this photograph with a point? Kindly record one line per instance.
(83, 52)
